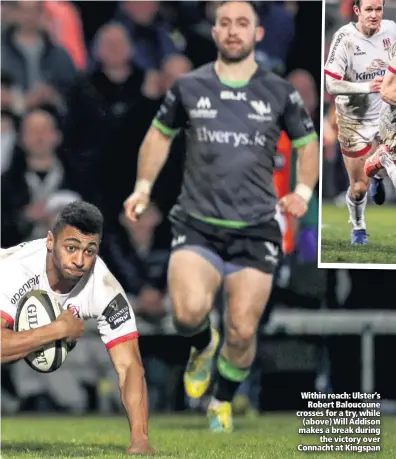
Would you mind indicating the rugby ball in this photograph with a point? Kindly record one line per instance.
(36, 310)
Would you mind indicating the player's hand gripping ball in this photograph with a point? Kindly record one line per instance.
(36, 310)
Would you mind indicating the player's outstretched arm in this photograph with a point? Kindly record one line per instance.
(341, 87)
(17, 345)
(153, 154)
(128, 365)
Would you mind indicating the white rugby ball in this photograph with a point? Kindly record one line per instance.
(36, 310)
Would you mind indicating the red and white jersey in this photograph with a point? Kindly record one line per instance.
(98, 295)
(355, 57)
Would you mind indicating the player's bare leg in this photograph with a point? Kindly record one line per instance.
(356, 197)
(193, 283)
(247, 293)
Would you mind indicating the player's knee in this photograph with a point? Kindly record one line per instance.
(240, 335)
(189, 316)
(358, 190)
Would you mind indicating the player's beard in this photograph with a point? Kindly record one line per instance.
(236, 56)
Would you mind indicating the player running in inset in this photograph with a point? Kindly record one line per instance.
(225, 225)
(385, 156)
(357, 61)
(66, 265)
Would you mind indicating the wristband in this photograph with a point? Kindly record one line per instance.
(304, 191)
(143, 186)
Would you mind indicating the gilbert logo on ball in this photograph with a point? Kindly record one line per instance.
(37, 310)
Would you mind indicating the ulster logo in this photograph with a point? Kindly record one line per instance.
(387, 43)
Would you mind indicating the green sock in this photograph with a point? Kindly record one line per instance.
(228, 379)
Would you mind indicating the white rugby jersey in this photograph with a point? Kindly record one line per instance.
(357, 58)
(97, 295)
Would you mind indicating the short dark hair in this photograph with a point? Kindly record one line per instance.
(252, 4)
(357, 3)
(82, 215)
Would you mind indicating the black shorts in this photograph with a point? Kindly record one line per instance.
(258, 247)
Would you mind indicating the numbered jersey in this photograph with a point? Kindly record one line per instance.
(358, 58)
(98, 295)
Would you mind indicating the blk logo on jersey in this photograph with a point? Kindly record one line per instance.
(387, 43)
(117, 312)
(230, 95)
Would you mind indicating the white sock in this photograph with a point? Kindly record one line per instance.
(390, 167)
(356, 211)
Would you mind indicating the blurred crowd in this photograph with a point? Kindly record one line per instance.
(80, 84)
(335, 180)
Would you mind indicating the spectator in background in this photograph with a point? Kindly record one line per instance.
(63, 23)
(278, 23)
(8, 131)
(149, 34)
(305, 84)
(12, 99)
(200, 45)
(8, 15)
(55, 203)
(137, 255)
(109, 112)
(43, 70)
(34, 176)
(173, 68)
(12, 106)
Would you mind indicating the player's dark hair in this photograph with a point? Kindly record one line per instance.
(357, 3)
(81, 215)
(252, 4)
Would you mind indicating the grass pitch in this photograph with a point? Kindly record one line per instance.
(178, 436)
(381, 228)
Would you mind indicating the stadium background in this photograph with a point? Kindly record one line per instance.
(103, 120)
